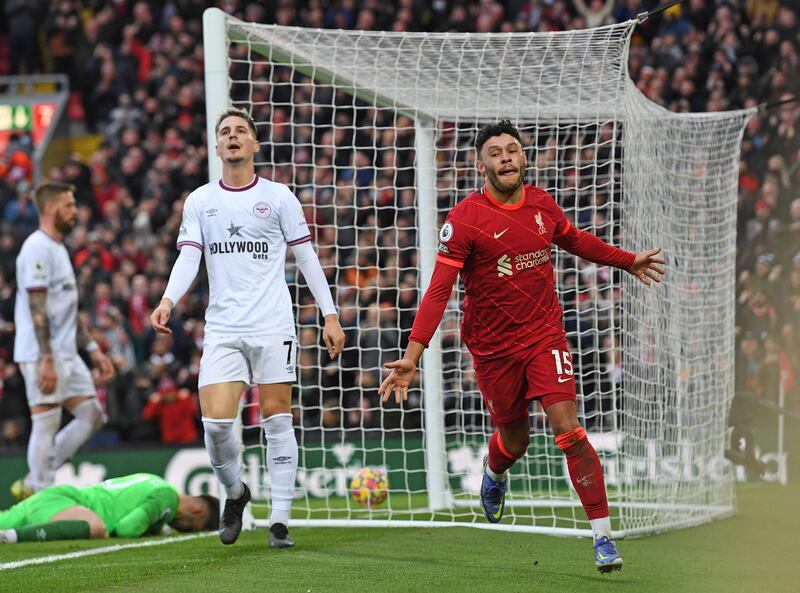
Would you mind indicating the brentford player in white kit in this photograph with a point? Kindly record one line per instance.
(48, 335)
(242, 224)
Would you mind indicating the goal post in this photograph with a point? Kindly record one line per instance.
(373, 131)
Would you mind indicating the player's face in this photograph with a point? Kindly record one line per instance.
(192, 514)
(235, 141)
(65, 213)
(503, 162)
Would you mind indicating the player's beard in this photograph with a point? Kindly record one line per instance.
(64, 225)
(507, 187)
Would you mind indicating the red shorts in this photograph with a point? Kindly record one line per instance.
(508, 384)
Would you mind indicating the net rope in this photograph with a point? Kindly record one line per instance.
(336, 113)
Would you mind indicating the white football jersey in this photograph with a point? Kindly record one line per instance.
(243, 234)
(43, 264)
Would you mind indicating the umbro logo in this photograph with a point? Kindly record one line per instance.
(498, 235)
(211, 212)
(282, 460)
(504, 266)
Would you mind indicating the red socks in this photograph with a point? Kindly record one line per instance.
(499, 459)
(584, 470)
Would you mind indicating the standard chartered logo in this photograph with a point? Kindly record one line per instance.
(523, 261)
(504, 266)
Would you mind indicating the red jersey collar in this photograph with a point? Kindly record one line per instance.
(516, 206)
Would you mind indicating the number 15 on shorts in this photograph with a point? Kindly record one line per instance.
(563, 365)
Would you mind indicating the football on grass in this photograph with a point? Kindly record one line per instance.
(370, 487)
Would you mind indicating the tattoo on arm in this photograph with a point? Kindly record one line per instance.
(37, 301)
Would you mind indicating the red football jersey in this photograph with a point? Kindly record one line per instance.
(503, 253)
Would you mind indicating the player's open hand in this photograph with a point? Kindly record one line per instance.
(104, 366)
(47, 374)
(648, 266)
(333, 336)
(399, 379)
(160, 316)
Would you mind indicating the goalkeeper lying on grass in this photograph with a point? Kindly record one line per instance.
(130, 506)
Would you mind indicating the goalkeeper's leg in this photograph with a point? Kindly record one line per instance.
(52, 514)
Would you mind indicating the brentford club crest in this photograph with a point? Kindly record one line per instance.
(262, 210)
(540, 222)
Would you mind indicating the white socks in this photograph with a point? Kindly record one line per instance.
(223, 446)
(281, 463)
(88, 420)
(44, 426)
(495, 476)
(601, 527)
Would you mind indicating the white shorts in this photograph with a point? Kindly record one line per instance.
(255, 360)
(73, 379)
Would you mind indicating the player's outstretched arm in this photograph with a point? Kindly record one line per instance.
(427, 320)
(648, 266)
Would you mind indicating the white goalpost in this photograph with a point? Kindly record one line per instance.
(373, 131)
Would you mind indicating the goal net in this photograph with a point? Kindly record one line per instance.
(374, 132)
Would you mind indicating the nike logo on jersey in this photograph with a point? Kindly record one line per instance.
(564, 379)
(498, 235)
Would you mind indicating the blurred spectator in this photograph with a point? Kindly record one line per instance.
(63, 31)
(20, 212)
(176, 411)
(22, 23)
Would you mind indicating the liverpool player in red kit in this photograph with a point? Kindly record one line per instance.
(499, 239)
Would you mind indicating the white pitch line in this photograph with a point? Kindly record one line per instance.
(95, 551)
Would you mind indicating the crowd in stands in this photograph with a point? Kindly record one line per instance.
(137, 68)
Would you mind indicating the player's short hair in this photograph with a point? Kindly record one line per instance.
(235, 111)
(212, 521)
(50, 191)
(504, 126)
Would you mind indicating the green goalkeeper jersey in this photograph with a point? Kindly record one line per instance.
(133, 505)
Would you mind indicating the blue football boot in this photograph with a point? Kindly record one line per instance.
(606, 556)
(493, 495)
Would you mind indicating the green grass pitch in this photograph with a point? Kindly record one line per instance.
(753, 552)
